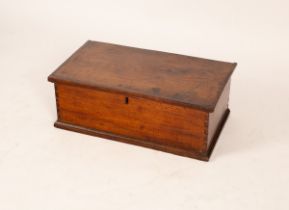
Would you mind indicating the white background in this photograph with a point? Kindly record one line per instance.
(45, 168)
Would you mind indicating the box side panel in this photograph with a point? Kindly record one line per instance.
(133, 117)
(56, 100)
(215, 118)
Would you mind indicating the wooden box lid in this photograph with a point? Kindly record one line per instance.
(168, 77)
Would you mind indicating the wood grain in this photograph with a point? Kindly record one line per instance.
(162, 123)
(170, 102)
(172, 78)
(216, 116)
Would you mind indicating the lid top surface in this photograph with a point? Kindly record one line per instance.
(180, 79)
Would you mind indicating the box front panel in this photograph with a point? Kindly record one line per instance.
(132, 116)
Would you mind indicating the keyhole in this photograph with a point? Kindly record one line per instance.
(126, 100)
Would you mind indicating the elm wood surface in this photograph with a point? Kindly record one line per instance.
(140, 118)
(220, 110)
(149, 144)
(113, 91)
(179, 79)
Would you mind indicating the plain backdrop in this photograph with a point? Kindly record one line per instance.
(45, 168)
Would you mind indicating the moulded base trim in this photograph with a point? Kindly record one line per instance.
(148, 144)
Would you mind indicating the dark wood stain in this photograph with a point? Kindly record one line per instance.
(138, 71)
(163, 101)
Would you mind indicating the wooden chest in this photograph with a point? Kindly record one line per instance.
(169, 102)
